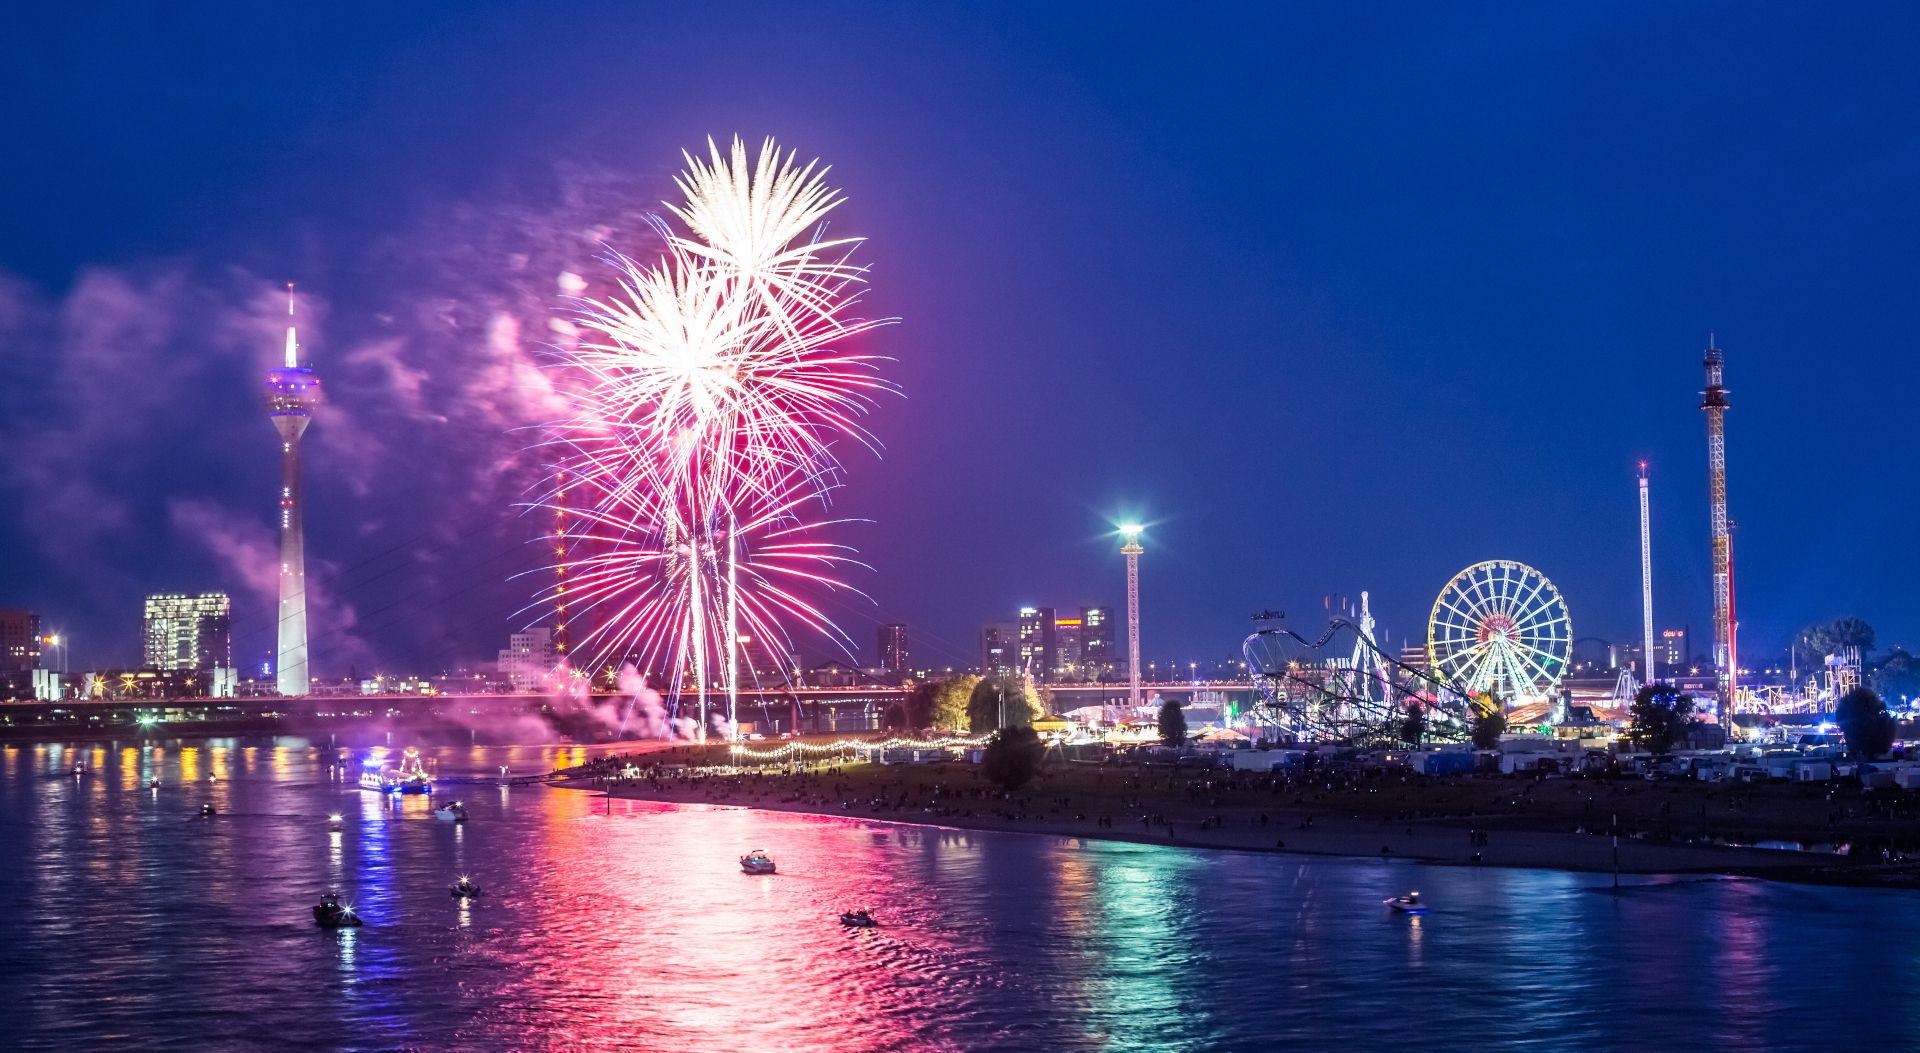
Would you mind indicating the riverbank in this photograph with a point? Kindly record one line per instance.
(1564, 824)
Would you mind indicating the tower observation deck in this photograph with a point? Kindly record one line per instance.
(293, 393)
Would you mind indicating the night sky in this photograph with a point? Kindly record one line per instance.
(1333, 301)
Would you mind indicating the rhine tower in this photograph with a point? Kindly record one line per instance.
(1714, 401)
(293, 392)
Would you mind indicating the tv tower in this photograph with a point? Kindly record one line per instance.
(1132, 551)
(1714, 401)
(293, 392)
(1646, 581)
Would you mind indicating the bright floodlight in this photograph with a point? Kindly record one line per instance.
(1132, 530)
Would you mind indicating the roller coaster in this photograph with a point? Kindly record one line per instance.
(1344, 688)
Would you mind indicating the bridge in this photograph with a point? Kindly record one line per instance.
(826, 709)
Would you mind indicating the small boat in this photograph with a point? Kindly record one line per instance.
(334, 820)
(330, 913)
(206, 809)
(1411, 903)
(466, 889)
(409, 777)
(453, 812)
(858, 919)
(757, 862)
(154, 783)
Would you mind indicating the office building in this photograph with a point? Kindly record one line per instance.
(893, 650)
(189, 632)
(528, 660)
(19, 641)
(1067, 649)
(1097, 658)
(999, 649)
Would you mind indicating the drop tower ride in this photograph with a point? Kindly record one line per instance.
(1714, 401)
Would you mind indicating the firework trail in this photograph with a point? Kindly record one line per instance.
(708, 392)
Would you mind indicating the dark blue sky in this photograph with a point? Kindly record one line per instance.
(1334, 301)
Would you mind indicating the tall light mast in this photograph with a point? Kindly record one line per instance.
(1132, 551)
(1714, 401)
(293, 392)
(1650, 669)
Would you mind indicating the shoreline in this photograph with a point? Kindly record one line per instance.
(1439, 842)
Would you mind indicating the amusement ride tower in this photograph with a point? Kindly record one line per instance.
(293, 392)
(1132, 551)
(1648, 667)
(1714, 401)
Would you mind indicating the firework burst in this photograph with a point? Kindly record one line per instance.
(709, 391)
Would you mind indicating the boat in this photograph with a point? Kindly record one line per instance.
(453, 811)
(858, 919)
(333, 820)
(757, 862)
(466, 889)
(206, 809)
(409, 776)
(154, 783)
(330, 913)
(1411, 903)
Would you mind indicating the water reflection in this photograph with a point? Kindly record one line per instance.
(636, 929)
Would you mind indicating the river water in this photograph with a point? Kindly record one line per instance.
(136, 923)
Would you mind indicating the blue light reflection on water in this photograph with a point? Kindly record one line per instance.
(137, 922)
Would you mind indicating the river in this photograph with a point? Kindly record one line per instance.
(137, 923)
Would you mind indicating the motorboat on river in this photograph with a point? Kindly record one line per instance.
(757, 862)
(409, 776)
(1411, 903)
(858, 919)
(330, 913)
(465, 889)
(453, 811)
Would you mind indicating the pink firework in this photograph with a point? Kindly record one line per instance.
(709, 392)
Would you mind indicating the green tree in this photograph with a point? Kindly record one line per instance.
(1819, 641)
(1660, 715)
(1488, 726)
(1172, 722)
(1414, 727)
(949, 707)
(1863, 719)
(1022, 703)
(1013, 757)
(1898, 677)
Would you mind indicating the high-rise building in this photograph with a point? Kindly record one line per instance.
(893, 649)
(1068, 646)
(189, 632)
(19, 641)
(1673, 649)
(1096, 642)
(293, 393)
(999, 649)
(528, 659)
(1036, 642)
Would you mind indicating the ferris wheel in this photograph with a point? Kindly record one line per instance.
(1502, 627)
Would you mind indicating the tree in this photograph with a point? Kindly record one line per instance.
(894, 717)
(1015, 696)
(1660, 715)
(1488, 726)
(949, 707)
(915, 707)
(1819, 641)
(1012, 757)
(1414, 727)
(1864, 721)
(1898, 676)
(1173, 724)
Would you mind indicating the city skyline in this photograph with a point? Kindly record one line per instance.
(1333, 355)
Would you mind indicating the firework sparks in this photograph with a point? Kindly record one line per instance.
(709, 392)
